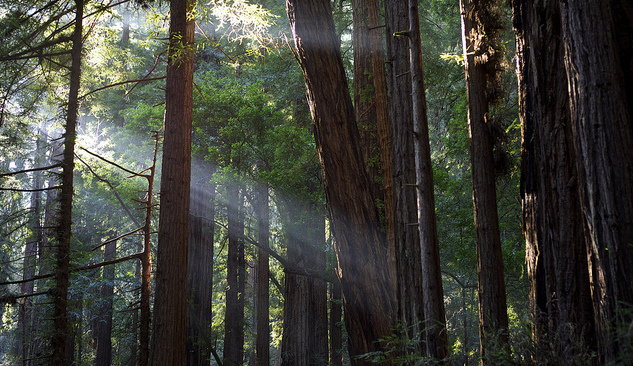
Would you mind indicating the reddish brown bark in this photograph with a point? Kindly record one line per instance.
(601, 125)
(360, 245)
(406, 233)
(478, 27)
(560, 297)
(169, 337)
(200, 273)
(434, 325)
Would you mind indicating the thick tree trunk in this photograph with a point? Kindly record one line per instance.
(170, 306)
(364, 94)
(305, 340)
(360, 245)
(479, 53)
(372, 113)
(59, 342)
(601, 126)
(263, 326)
(434, 325)
(556, 252)
(383, 129)
(199, 311)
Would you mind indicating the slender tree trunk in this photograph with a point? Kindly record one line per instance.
(601, 126)
(104, 320)
(59, 340)
(407, 239)
(360, 245)
(199, 312)
(146, 264)
(40, 347)
(25, 326)
(234, 319)
(335, 328)
(556, 252)
(434, 326)
(263, 327)
(169, 338)
(478, 35)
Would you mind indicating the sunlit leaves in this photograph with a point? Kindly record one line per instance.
(242, 20)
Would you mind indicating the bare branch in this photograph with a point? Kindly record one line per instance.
(122, 83)
(117, 238)
(134, 174)
(29, 190)
(31, 170)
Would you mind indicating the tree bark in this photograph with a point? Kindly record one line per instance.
(601, 126)
(104, 319)
(263, 326)
(200, 272)
(478, 34)
(169, 338)
(364, 95)
(406, 233)
(146, 265)
(434, 325)
(59, 342)
(26, 320)
(305, 340)
(335, 328)
(234, 316)
(360, 245)
(556, 252)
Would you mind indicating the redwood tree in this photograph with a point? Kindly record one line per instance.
(407, 239)
(556, 252)
(200, 273)
(598, 44)
(169, 338)
(360, 246)
(480, 25)
(434, 326)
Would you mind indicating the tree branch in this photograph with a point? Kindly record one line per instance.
(30, 170)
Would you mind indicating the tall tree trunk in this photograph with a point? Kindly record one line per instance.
(407, 238)
(234, 316)
(59, 340)
(479, 24)
(169, 337)
(40, 347)
(434, 326)
(556, 252)
(304, 341)
(335, 328)
(26, 321)
(263, 327)
(360, 245)
(601, 126)
(103, 330)
(199, 311)
(364, 102)
(383, 129)
(146, 264)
